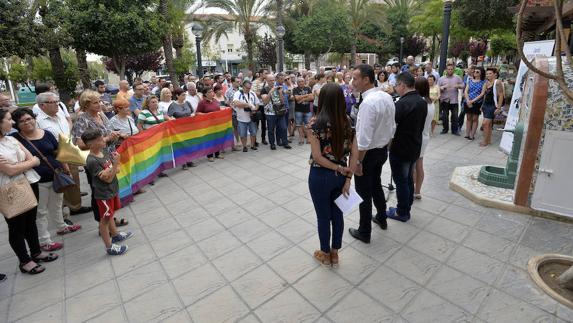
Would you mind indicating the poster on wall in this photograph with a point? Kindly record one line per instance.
(530, 49)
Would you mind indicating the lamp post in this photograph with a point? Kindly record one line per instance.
(280, 34)
(197, 30)
(445, 36)
(401, 51)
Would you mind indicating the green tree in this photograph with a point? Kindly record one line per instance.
(185, 60)
(116, 28)
(485, 16)
(360, 13)
(399, 13)
(326, 30)
(245, 17)
(503, 44)
(19, 29)
(267, 51)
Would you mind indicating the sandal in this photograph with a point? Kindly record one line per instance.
(122, 222)
(49, 257)
(36, 270)
(322, 257)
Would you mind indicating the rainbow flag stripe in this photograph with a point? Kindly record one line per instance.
(168, 145)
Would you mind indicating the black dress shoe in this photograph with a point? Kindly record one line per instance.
(287, 147)
(265, 142)
(444, 132)
(357, 235)
(273, 147)
(382, 222)
(81, 210)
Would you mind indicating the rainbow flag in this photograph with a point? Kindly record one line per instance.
(168, 145)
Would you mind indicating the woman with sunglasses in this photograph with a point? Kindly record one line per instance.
(473, 100)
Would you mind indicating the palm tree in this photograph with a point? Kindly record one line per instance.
(180, 11)
(165, 10)
(361, 12)
(409, 7)
(245, 16)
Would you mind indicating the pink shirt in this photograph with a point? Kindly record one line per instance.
(451, 93)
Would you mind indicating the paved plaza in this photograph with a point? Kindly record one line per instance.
(232, 241)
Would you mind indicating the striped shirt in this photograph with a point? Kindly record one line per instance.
(149, 120)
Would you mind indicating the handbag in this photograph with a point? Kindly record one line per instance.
(279, 108)
(61, 181)
(68, 153)
(16, 198)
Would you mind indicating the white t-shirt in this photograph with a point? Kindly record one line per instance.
(194, 100)
(251, 98)
(164, 106)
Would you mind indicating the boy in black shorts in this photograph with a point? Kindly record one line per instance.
(103, 169)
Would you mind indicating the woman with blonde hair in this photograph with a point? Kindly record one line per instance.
(165, 100)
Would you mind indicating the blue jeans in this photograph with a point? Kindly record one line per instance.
(247, 127)
(402, 171)
(276, 127)
(325, 186)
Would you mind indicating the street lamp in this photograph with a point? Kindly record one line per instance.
(197, 30)
(401, 51)
(280, 34)
(445, 35)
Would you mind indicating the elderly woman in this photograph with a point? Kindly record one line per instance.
(165, 100)
(181, 108)
(44, 145)
(93, 118)
(122, 121)
(150, 117)
(207, 105)
(16, 162)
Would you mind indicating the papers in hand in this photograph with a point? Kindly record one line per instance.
(347, 204)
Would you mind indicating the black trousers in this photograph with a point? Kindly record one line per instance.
(263, 122)
(369, 187)
(446, 108)
(21, 229)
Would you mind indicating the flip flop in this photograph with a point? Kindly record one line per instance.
(48, 258)
(122, 222)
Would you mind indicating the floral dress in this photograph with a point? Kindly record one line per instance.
(323, 136)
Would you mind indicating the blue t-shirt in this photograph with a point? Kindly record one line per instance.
(48, 145)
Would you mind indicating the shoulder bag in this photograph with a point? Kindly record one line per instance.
(16, 198)
(62, 181)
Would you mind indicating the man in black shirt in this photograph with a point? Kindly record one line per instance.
(302, 97)
(411, 111)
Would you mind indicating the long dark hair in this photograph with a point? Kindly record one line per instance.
(332, 116)
(481, 74)
(423, 88)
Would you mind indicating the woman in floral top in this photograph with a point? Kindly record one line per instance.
(332, 141)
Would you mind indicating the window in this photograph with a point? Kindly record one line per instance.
(229, 50)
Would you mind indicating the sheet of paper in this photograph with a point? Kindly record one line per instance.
(348, 204)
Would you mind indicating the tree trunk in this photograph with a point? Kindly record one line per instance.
(178, 42)
(58, 69)
(83, 68)
(168, 45)
(168, 53)
(249, 39)
(353, 52)
(433, 52)
(307, 60)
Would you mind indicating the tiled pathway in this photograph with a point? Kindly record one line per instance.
(232, 241)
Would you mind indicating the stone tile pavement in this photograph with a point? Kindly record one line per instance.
(231, 241)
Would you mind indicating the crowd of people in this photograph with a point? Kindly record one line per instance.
(353, 119)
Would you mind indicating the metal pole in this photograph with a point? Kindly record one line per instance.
(199, 62)
(281, 54)
(9, 83)
(445, 36)
(401, 51)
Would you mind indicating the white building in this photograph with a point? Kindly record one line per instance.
(228, 53)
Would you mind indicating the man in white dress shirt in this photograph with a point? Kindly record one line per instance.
(50, 117)
(375, 127)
